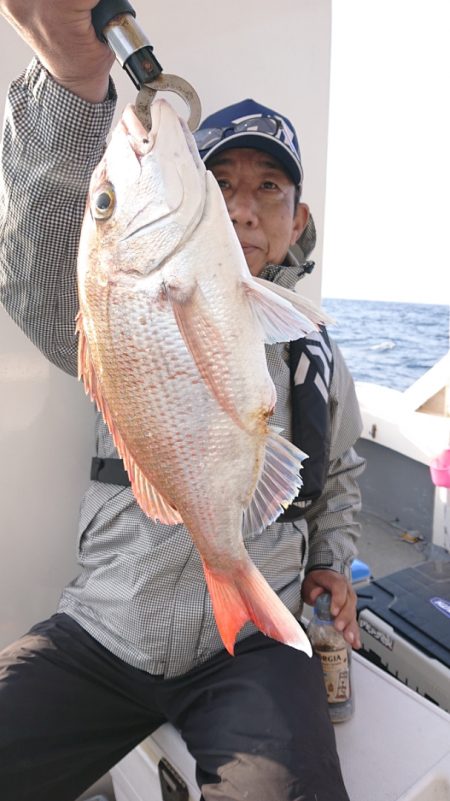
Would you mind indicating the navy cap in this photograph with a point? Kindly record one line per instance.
(249, 124)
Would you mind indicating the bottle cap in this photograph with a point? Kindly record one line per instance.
(322, 606)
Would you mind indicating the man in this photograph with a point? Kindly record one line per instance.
(134, 641)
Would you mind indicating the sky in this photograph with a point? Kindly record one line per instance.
(387, 216)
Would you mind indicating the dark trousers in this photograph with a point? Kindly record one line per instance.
(257, 724)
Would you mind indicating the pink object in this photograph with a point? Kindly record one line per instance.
(440, 469)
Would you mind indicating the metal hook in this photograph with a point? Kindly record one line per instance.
(168, 83)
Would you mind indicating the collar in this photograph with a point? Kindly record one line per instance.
(289, 273)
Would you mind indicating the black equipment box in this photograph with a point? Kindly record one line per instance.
(405, 627)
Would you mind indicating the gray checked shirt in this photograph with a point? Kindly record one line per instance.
(140, 590)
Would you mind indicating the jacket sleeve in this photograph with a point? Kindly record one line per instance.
(52, 141)
(333, 530)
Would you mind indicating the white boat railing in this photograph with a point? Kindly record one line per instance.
(415, 423)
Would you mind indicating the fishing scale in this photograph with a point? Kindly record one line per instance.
(115, 23)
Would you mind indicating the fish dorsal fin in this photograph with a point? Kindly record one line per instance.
(278, 484)
(282, 313)
(149, 499)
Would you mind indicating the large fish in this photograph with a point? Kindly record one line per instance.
(171, 347)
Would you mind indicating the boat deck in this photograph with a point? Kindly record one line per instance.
(386, 547)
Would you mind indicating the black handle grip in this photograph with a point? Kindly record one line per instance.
(127, 41)
(106, 10)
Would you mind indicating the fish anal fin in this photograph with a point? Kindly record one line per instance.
(243, 594)
(278, 484)
(149, 499)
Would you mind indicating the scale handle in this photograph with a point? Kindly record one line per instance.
(114, 22)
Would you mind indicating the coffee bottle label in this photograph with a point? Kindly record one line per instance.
(336, 674)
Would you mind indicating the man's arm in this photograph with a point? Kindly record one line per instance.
(333, 531)
(56, 124)
(52, 142)
(61, 34)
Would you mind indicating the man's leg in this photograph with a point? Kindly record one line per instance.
(258, 725)
(69, 710)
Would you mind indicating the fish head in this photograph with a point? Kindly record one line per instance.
(145, 198)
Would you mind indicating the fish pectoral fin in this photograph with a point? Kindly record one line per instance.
(283, 314)
(149, 499)
(207, 348)
(278, 484)
(243, 594)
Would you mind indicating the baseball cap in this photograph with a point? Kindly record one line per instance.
(249, 124)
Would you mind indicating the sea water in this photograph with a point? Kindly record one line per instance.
(391, 344)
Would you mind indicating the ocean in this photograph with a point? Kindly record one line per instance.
(391, 344)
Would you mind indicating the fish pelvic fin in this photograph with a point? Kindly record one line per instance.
(149, 499)
(283, 314)
(244, 595)
(316, 314)
(278, 484)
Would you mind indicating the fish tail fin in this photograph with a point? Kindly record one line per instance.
(246, 595)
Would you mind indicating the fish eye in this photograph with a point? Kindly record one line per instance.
(104, 202)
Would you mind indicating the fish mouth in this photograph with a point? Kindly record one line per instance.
(192, 145)
(167, 151)
(142, 141)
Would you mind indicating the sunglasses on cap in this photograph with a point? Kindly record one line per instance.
(272, 126)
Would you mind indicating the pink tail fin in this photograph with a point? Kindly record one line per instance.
(245, 595)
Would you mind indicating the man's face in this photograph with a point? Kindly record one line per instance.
(260, 198)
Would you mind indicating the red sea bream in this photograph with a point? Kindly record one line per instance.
(172, 329)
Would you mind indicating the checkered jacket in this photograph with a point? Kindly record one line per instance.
(140, 590)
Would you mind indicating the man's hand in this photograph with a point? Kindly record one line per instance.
(62, 35)
(343, 601)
